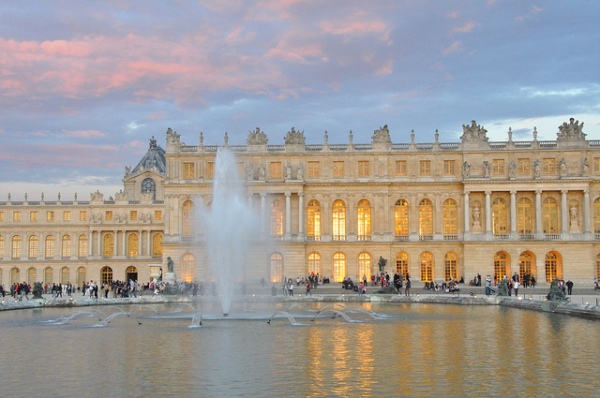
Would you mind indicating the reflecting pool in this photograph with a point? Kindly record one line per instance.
(373, 349)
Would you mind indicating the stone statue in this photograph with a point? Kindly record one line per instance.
(563, 167)
(257, 137)
(476, 215)
(325, 137)
(300, 173)
(512, 168)
(556, 293)
(502, 288)
(382, 136)
(537, 168)
(294, 137)
(37, 291)
(585, 166)
(486, 168)
(249, 172)
(288, 171)
(466, 169)
(226, 138)
(474, 133)
(169, 265)
(262, 173)
(573, 215)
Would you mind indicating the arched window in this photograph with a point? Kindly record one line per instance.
(314, 264)
(526, 265)
(339, 221)
(598, 267)
(81, 276)
(82, 246)
(16, 247)
(15, 276)
(1, 247)
(501, 261)
(65, 275)
(553, 266)
(499, 217)
(450, 217)
(597, 216)
(450, 266)
(48, 275)
(31, 276)
(426, 268)
(131, 273)
(33, 246)
(49, 247)
(425, 217)
(276, 268)
(157, 248)
(109, 245)
(524, 216)
(66, 246)
(364, 219)
(339, 267)
(133, 242)
(402, 264)
(277, 211)
(550, 216)
(149, 186)
(401, 217)
(365, 265)
(188, 267)
(313, 220)
(187, 218)
(106, 275)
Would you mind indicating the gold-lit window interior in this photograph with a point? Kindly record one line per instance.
(549, 166)
(189, 170)
(33, 216)
(157, 248)
(66, 246)
(314, 169)
(339, 267)
(16, 247)
(550, 216)
(108, 245)
(425, 217)
(339, 169)
(499, 216)
(402, 264)
(363, 168)
(425, 168)
(276, 268)
(210, 170)
(401, 217)
(401, 168)
(1, 216)
(82, 246)
(314, 264)
(365, 267)
(33, 246)
(313, 219)
(49, 247)
(450, 217)
(596, 165)
(339, 220)
(449, 167)
(525, 216)
(364, 219)
(66, 216)
(133, 245)
(451, 267)
(108, 215)
(50, 216)
(524, 166)
(498, 167)
(157, 215)
(500, 265)
(82, 215)
(553, 267)
(526, 262)
(133, 215)
(426, 267)
(277, 213)
(16, 216)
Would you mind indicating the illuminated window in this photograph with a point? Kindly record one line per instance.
(33, 216)
(15, 275)
(109, 245)
(277, 212)
(157, 215)
(596, 225)
(81, 276)
(31, 276)
(66, 216)
(66, 246)
(450, 217)
(314, 264)
(363, 168)
(425, 217)
(550, 216)
(49, 247)
(450, 267)
(426, 268)
(365, 265)
(50, 216)
(133, 245)
(187, 218)
(524, 216)
(188, 267)
(157, 248)
(189, 170)
(108, 216)
(17, 216)
(65, 277)
(339, 168)
(276, 268)
(33, 246)
(526, 265)
(524, 167)
(339, 220)
(499, 217)
(16, 247)
(83, 215)
(553, 267)
(82, 246)
(364, 219)
(1, 247)
(501, 261)
(1, 216)
(133, 215)
(401, 217)
(596, 165)
(48, 275)
(498, 167)
(275, 170)
(401, 168)
(449, 167)
(210, 170)
(339, 267)
(598, 267)
(314, 169)
(549, 166)
(425, 168)
(313, 220)
(402, 264)
(106, 275)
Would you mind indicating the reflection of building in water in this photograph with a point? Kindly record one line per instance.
(435, 210)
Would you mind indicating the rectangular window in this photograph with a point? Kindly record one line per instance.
(210, 170)
(67, 216)
(83, 215)
(524, 166)
(1, 216)
(549, 166)
(449, 167)
(314, 169)
(133, 215)
(50, 216)
(363, 168)
(596, 165)
(109, 215)
(17, 216)
(157, 215)
(498, 167)
(275, 170)
(339, 168)
(33, 216)
(425, 168)
(401, 168)
(189, 170)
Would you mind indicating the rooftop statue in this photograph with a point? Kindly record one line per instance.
(172, 137)
(474, 133)
(294, 137)
(382, 136)
(572, 131)
(256, 137)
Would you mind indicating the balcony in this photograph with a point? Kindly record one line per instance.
(425, 238)
(401, 238)
(363, 237)
(338, 237)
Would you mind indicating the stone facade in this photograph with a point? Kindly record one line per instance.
(435, 210)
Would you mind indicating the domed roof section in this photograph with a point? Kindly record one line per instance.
(153, 160)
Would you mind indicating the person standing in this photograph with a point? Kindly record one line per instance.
(308, 293)
(516, 287)
(569, 287)
(408, 285)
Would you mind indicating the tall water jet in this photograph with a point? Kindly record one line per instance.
(230, 226)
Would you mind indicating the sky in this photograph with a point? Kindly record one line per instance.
(84, 85)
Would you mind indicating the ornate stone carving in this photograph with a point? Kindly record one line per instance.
(294, 137)
(572, 131)
(172, 137)
(474, 133)
(256, 137)
(96, 196)
(382, 136)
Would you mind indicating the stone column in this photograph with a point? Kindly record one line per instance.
(513, 213)
(90, 244)
(586, 211)
(564, 212)
(538, 213)
(100, 247)
(301, 215)
(149, 245)
(288, 215)
(115, 243)
(263, 203)
(140, 235)
(124, 243)
(488, 212)
(467, 214)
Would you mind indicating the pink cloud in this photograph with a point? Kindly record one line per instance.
(83, 133)
(466, 28)
(454, 47)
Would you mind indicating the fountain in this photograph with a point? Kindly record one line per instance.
(230, 226)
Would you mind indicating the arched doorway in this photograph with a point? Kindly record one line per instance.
(131, 273)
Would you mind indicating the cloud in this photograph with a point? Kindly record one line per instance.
(84, 134)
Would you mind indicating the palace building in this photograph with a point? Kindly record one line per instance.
(437, 211)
